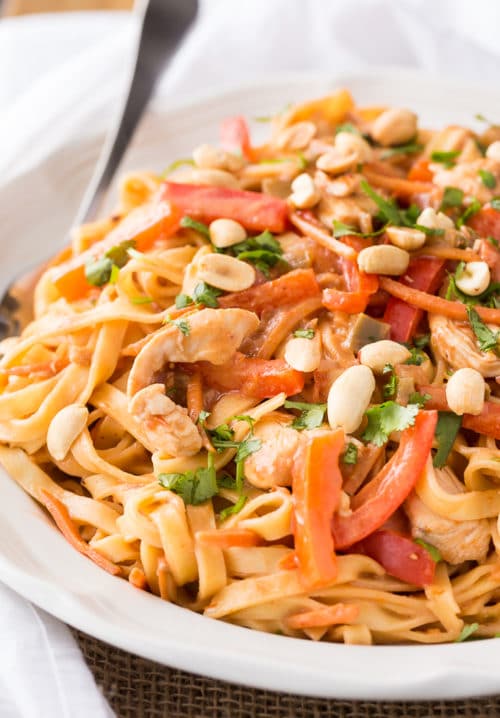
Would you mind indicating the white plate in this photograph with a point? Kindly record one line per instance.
(36, 561)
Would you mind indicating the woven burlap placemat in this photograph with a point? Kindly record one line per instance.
(138, 688)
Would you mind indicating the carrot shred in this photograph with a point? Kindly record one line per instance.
(328, 616)
(138, 579)
(228, 538)
(397, 185)
(64, 523)
(301, 220)
(436, 305)
(194, 395)
(453, 253)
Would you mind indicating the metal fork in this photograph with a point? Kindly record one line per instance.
(163, 25)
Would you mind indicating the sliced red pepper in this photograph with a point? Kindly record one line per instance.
(420, 171)
(235, 136)
(487, 422)
(400, 556)
(291, 287)
(387, 491)
(316, 494)
(259, 378)
(425, 274)
(359, 286)
(145, 225)
(491, 255)
(486, 222)
(254, 210)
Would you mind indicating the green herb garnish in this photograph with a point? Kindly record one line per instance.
(452, 197)
(445, 158)
(141, 300)
(311, 415)
(495, 203)
(434, 552)
(205, 294)
(409, 149)
(350, 455)
(190, 223)
(342, 230)
(447, 428)
(388, 209)
(304, 333)
(472, 209)
(182, 301)
(385, 418)
(488, 179)
(263, 251)
(194, 487)
(418, 399)
(390, 387)
(467, 631)
(487, 340)
(176, 164)
(234, 509)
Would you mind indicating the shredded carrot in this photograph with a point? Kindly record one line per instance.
(228, 538)
(64, 523)
(328, 616)
(436, 305)
(459, 255)
(397, 185)
(138, 579)
(194, 395)
(302, 221)
(42, 369)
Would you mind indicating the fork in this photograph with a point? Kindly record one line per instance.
(162, 26)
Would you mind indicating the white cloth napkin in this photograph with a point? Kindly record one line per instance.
(72, 66)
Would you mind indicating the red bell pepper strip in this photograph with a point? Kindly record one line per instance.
(289, 288)
(235, 136)
(254, 210)
(486, 222)
(387, 491)
(316, 484)
(420, 171)
(145, 225)
(360, 287)
(400, 556)
(487, 422)
(259, 378)
(424, 273)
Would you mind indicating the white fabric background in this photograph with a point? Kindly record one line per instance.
(73, 67)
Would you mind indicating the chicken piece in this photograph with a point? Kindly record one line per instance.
(272, 464)
(169, 428)
(212, 335)
(356, 211)
(466, 177)
(457, 343)
(457, 541)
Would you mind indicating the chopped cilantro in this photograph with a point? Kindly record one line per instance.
(472, 209)
(445, 158)
(304, 333)
(98, 272)
(385, 418)
(263, 251)
(350, 455)
(422, 341)
(247, 447)
(245, 417)
(182, 301)
(205, 294)
(487, 340)
(190, 223)
(181, 324)
(195, 487)
(311, 416)
(388, 209)
(390, 387)
(234, 509)
(467, 631)
(176, 164)
(419, 399)
(408, 149)
(347, 127)
(495, 203)
(119, 254)
(417, 357)
(202, 417)
(452, 197)
(434, 552)
(494, 242)
(488, 179)
(447, 428)
(342, 230)
(115, 273)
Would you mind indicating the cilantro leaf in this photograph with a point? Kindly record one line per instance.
(245, 417)
(467, 631)
(247, 447)
(447, 428)
(115, 273)
(119, 254)
(304, 333)
(488, 179)
(182, 301)
(342, 230)
(176, 164)
(98, 272)
(495, 203)
(350, 455)
(311, 416)
(385, 418)
(434, 552)
(417, 357)
(190, 223)
(181, 324)
(263, 251)
(234, 509)
(205, 294)
(202, 417)
(419, 399)
(487, 340)
(388, 209)
(390, 387)
(472, 209)
(422, 341)
(445, 158)
(141, 300)
(408, 149)
(347, 127)
(194, 487)
(452, 197)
